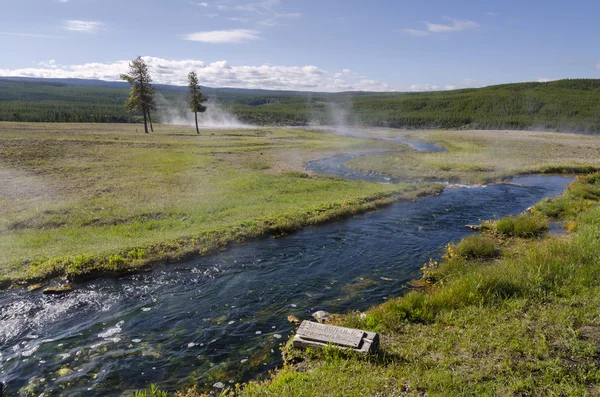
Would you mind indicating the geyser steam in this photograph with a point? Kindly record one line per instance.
(177, 112)
(338, 117)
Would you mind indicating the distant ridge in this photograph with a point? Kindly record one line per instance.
(122, 84)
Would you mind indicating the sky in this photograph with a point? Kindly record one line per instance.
(308, 45)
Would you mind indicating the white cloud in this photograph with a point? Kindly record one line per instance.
(416, 32)
(451, 85)
(268, 23)
(82, 26)
(544, 79)
(224, 36)
(32, 35)
(288, 15)
(203, 4)
(215, 74)
(237, 19)
(424, 87)
(274, 20)
(264, 13)
(51, 64)
(454, 26)
(243, 7)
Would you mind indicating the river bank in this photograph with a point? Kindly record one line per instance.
(518, 319)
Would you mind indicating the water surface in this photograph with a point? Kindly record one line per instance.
(221, 318)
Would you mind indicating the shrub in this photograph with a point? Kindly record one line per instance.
(476, 247)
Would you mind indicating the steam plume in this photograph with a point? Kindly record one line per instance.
(177, 112)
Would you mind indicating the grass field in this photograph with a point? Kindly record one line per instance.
(87, 198)
(481, 156)
(499, 316)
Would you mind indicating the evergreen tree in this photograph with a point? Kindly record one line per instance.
(196, 98)
(141, 93)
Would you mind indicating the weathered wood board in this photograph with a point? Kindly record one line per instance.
(312, 334)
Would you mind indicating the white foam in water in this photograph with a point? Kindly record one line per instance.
(462, 186)
(29, 352)
(112, 331)
(33, 312)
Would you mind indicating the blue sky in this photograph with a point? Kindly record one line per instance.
(316, 45)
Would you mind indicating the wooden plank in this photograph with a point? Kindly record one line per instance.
(330, 334)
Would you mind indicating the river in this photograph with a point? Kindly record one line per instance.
(221, 318)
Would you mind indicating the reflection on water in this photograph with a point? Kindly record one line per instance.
(221, 318)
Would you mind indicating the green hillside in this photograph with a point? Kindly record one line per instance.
(566, 105)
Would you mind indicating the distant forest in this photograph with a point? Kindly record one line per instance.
(564, 105)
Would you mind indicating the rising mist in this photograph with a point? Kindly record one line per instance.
(177, 112)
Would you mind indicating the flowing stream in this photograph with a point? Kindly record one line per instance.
(219, 320)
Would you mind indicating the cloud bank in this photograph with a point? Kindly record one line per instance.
(214, 74)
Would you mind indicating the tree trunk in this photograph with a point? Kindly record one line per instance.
(149, 119)
(197, 130)
(145, 122)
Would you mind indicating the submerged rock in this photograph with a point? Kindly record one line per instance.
(59, 289)
(321, 315)
(219, 385)
(293, 319)
(64, 372)
(33, 287)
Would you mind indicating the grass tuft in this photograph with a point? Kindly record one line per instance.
(477, 247)
(523, 226)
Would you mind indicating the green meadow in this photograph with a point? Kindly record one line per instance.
(93, 199)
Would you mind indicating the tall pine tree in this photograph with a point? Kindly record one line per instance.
(141, 93)
(196, 98)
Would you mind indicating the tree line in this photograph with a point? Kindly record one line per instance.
(568, 105)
